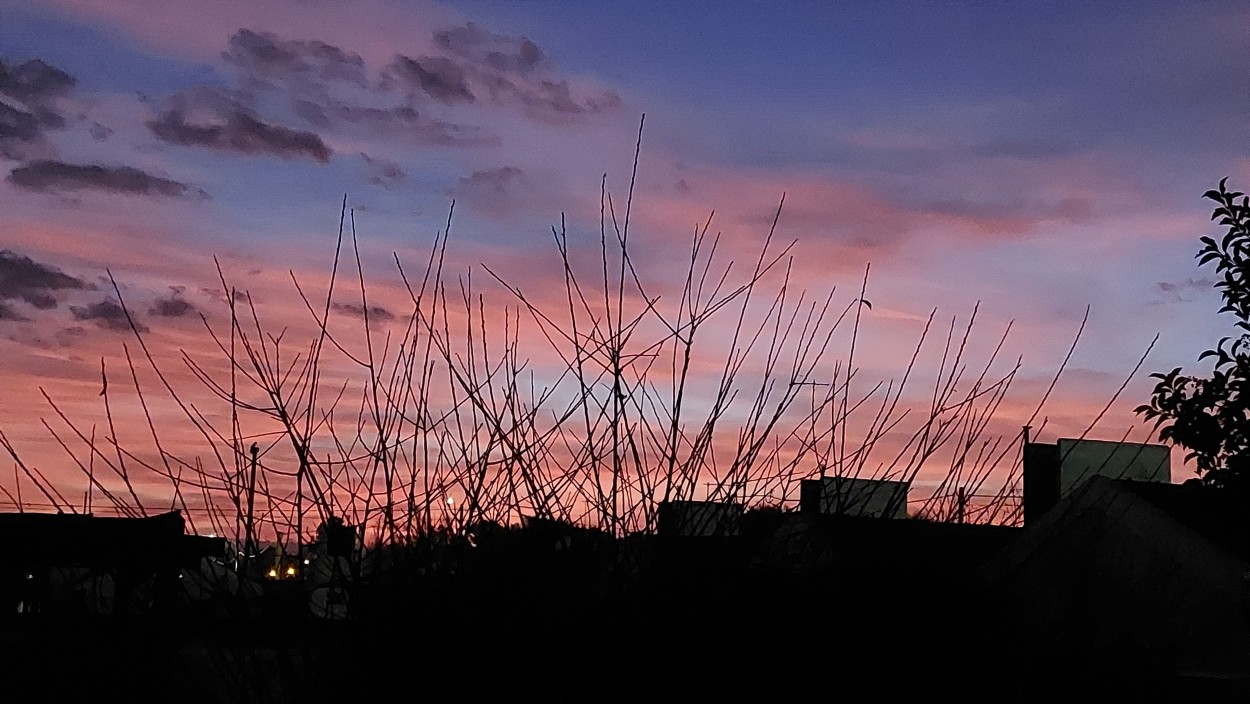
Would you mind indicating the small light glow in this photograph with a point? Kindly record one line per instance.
(290, 571)
(273, 573)
(451, 501)
(306, 560)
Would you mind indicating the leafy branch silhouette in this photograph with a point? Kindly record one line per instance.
(1210, 417)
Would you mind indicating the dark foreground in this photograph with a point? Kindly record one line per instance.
(895, 610)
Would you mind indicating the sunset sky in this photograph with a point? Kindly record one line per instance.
(1037, 158)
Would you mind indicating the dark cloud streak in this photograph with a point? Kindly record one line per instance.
(356, 310)
(51, 176)
(238, 131)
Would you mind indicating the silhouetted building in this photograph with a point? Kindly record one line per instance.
(853, 496)
(703, 519)
(80, 562)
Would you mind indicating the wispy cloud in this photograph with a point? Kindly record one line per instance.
(1183, 290)
(491, 191)
(400, 122)
(384, 173)
(7, 313)
(171, 306)
(265, 57)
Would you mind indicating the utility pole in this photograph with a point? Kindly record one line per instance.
(249, 544)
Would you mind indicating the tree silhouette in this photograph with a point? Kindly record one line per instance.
(1210, 416)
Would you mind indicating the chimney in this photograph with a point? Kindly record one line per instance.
(1041, 479)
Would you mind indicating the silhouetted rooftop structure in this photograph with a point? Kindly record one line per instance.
(132, 550)
(1054, 470)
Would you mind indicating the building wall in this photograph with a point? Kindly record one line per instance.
(1081, 459)
(1105, 577)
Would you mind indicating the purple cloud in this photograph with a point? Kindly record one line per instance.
(215, 119)
(440, 78)
(171, 306)
(109, 315)
(22, 278)
(28, 93)
(264, 56)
